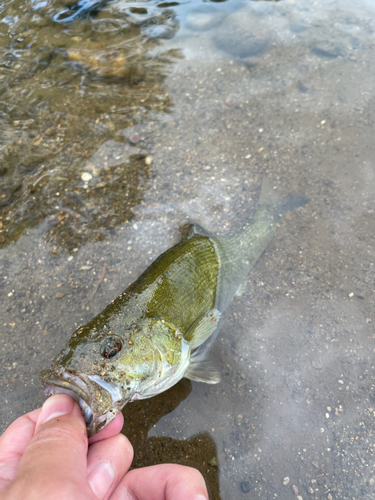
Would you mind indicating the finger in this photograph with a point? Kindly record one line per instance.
(13, 444)
(107, 462)
(57, 451)
(162, 482)
(110, 430)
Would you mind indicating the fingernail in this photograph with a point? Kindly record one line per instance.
(200, 497)
(101, 479)
(55, 406)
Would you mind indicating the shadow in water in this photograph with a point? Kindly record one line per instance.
(198, 451)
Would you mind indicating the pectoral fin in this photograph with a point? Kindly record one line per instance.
(201, 369)
(202, 328)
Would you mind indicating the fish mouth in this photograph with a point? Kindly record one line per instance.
(99, 401)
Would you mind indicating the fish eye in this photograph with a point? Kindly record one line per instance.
(110, 347)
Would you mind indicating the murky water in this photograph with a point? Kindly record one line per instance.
(121, 120)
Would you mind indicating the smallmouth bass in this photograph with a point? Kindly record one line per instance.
(161, 327)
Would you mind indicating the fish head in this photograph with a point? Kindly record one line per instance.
(105, 368)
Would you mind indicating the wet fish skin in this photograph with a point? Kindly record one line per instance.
(161, 327)
(147, 320)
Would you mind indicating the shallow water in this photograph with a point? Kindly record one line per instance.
(121, 120)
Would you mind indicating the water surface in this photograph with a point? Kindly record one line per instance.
(119, 121)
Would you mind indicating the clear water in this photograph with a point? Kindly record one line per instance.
(121, 120)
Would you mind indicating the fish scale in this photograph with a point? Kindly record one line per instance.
(161, 327)
(187, 275)
(239, 253)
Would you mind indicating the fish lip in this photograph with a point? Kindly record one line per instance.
(80, 390)
(64, 380)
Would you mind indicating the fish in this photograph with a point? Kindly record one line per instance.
(161, 328)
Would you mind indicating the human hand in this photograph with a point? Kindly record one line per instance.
(45, 455)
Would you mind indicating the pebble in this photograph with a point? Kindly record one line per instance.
(351, 294)
(148, 160)
(213, 462)
(86, 176)
(59, 295)
(329, 496)
(245, 487)
(28, 33)
(85, 268)
(241, 36)
(317, 363)
(299, 497)
(310, 490)
(286, 480)
(368, 320)
(50, 131)
(294, 489)
(328, 50)
(134, 138)
(2, 225)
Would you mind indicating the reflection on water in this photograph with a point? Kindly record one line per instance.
(73, 11)
(120, 121)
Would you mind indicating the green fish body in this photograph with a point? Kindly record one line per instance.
(161, 327)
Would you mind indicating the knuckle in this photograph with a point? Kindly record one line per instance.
(53, 434)
(190, 472)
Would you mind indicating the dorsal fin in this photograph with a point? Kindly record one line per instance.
(196, 228)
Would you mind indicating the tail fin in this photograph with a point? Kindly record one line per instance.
(268, 196)
(289, 203)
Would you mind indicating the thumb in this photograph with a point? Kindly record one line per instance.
(54, 464)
